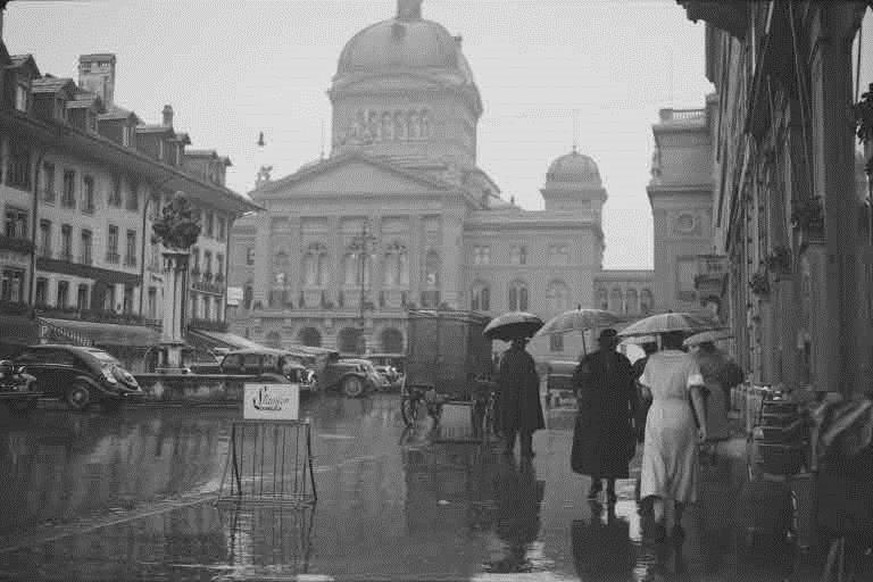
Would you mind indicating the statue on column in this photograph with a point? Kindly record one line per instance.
(177, 229)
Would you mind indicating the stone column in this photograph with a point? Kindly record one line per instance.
(451, 253)
(172, 333)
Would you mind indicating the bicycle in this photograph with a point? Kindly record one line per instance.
(414, 400)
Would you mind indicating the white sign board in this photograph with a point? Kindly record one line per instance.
(271, 401)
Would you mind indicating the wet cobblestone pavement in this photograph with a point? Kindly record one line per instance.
(131, 496)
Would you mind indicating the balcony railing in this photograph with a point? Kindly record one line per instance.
(113, 258)
(14, 243)
(129, 261)
(66, 255)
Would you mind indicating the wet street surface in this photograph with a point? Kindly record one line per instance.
(131, 495)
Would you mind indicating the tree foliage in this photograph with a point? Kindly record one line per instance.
(178, 227)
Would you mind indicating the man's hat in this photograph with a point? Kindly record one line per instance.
(608, 334)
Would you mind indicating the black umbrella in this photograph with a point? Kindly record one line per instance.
(512, 325)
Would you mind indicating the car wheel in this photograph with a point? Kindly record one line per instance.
(353, 386)
(78, 396)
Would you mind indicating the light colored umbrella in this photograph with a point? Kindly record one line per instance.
(579, 320)
(667, 322)
(708, 336)
(640, 339)
(512, 325)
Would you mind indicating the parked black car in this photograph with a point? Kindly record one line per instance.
(78, 375)
(269, 365)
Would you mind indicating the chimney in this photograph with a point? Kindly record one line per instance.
(168, 116)
(97, 75)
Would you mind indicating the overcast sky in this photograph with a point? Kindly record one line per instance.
(233, 69)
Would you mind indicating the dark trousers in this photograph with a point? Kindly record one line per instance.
(525, 440)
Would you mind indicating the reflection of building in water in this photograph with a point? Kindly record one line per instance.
(450, 488)
(274, 540)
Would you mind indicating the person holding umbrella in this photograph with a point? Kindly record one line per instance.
(518, 394)
(603, 437)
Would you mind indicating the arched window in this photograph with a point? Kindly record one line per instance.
(350, 269)
(432, 270)
(632, 301)
(602, 299)
(646, 301)
(396, 266)
(518, 296)
(558, 296)
(315, 265)
(392, 341)
(350, 340)
(616, 300)
(274, 340)
(309, 336)
(480, 297)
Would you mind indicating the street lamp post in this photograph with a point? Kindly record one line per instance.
(361, 245)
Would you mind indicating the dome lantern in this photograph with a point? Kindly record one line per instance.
(409, 9)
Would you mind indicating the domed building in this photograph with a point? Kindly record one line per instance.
(400, 215)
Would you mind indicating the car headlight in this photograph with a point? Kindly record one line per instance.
(109, 376)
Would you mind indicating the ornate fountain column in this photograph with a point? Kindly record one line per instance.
(175, 296)
(177, 230)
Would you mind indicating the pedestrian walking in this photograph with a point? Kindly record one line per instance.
(518, 385)
(720, 373)
(675, 425)
(603, 437)
(644, 398)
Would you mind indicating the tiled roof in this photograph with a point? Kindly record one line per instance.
(51, 84)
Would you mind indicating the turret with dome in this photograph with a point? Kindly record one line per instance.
(404, 87)
(573, 183)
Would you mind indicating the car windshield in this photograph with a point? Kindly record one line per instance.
(104, 358)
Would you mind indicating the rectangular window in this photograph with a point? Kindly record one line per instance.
(109, 299)
(42, 291)
(112, 245)
(130, 252)
(86, 258)
(153, 303)
(222, 225)
(195, 260)
(48, 182)
(219, 264)
(12, 285)
(63, 298)
(210, 224)
(68, 196)
(127, 306)
(18, 166)
(45, 238)
(556, 342)
(133, 195)
(82, 297)
(207, 262)
(115, 192)
(21, 97)
(88, 194)
(66, 242)
(481, 255)
(16, 223)
(250, 256)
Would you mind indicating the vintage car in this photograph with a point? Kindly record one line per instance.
(78, 375)
(354, 377)
(269, 365)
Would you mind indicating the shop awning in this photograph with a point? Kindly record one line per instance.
(98, 334)
(218, 339)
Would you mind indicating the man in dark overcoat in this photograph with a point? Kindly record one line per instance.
(518, 386)
(603, 438)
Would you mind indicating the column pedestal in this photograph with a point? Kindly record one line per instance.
(172, 337)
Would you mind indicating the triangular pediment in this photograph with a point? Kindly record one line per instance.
(351, 175)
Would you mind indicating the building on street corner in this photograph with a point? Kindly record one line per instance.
(81, 181)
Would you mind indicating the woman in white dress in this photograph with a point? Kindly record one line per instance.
(676, 423)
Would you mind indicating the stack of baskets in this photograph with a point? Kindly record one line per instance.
(780, 436)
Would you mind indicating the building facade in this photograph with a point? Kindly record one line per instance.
(81, 182)
(791, 205)
(400, 215)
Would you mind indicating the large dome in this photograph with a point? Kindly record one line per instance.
(575, 168)
(405, 42)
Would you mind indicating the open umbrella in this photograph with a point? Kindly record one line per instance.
(512, 325)
(579, 320)
(708, 336)
(667, 322)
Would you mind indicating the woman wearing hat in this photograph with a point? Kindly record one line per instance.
(603, 439)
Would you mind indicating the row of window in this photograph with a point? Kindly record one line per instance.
(631, 301)
(206, 265)
(559, 254)
(87, 296)
(71, 188)
(205, 307)
(86, 243)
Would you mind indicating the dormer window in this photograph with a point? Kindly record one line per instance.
(22, 97)
(125, 135)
